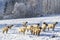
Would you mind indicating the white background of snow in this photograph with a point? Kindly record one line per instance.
(31, 20)
(14, 35)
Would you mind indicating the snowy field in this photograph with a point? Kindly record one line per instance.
(47, 35)
(14, 35)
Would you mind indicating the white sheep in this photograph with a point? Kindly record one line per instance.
(44, 26)
(5, 29)
(52, 26)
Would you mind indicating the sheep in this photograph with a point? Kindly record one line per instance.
(28, 27)
(10, 26)
(36, 26)
(22, 30)
(36, 31)
(52, 26)
(5, 29)
(31, 27)
(24, 24)
(44, 26)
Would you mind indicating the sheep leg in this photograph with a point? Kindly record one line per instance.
(27, 30)
(34, 33)
(52, 29)
(44, 30)
(24, 32)
(19, 31)
(3, 31)
(6, 31)
(38, 33)
(48, 29)
(31, 32)
(10, 27)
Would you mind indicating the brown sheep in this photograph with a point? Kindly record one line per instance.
(44, 26)
(52, 26)
(5, 29)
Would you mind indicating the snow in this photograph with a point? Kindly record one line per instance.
(31, 20)
(13, 33)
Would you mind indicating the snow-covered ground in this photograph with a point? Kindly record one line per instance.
(14, 35)
(47, 35)
(31, 20)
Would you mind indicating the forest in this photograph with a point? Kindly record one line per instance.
(13, 9)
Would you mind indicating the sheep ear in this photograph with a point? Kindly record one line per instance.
(12, 25)
(40, 27)
(46, 24)
(26, 22)
(56, 22)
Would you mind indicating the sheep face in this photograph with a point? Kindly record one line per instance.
(10, 26)
(56, 23)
